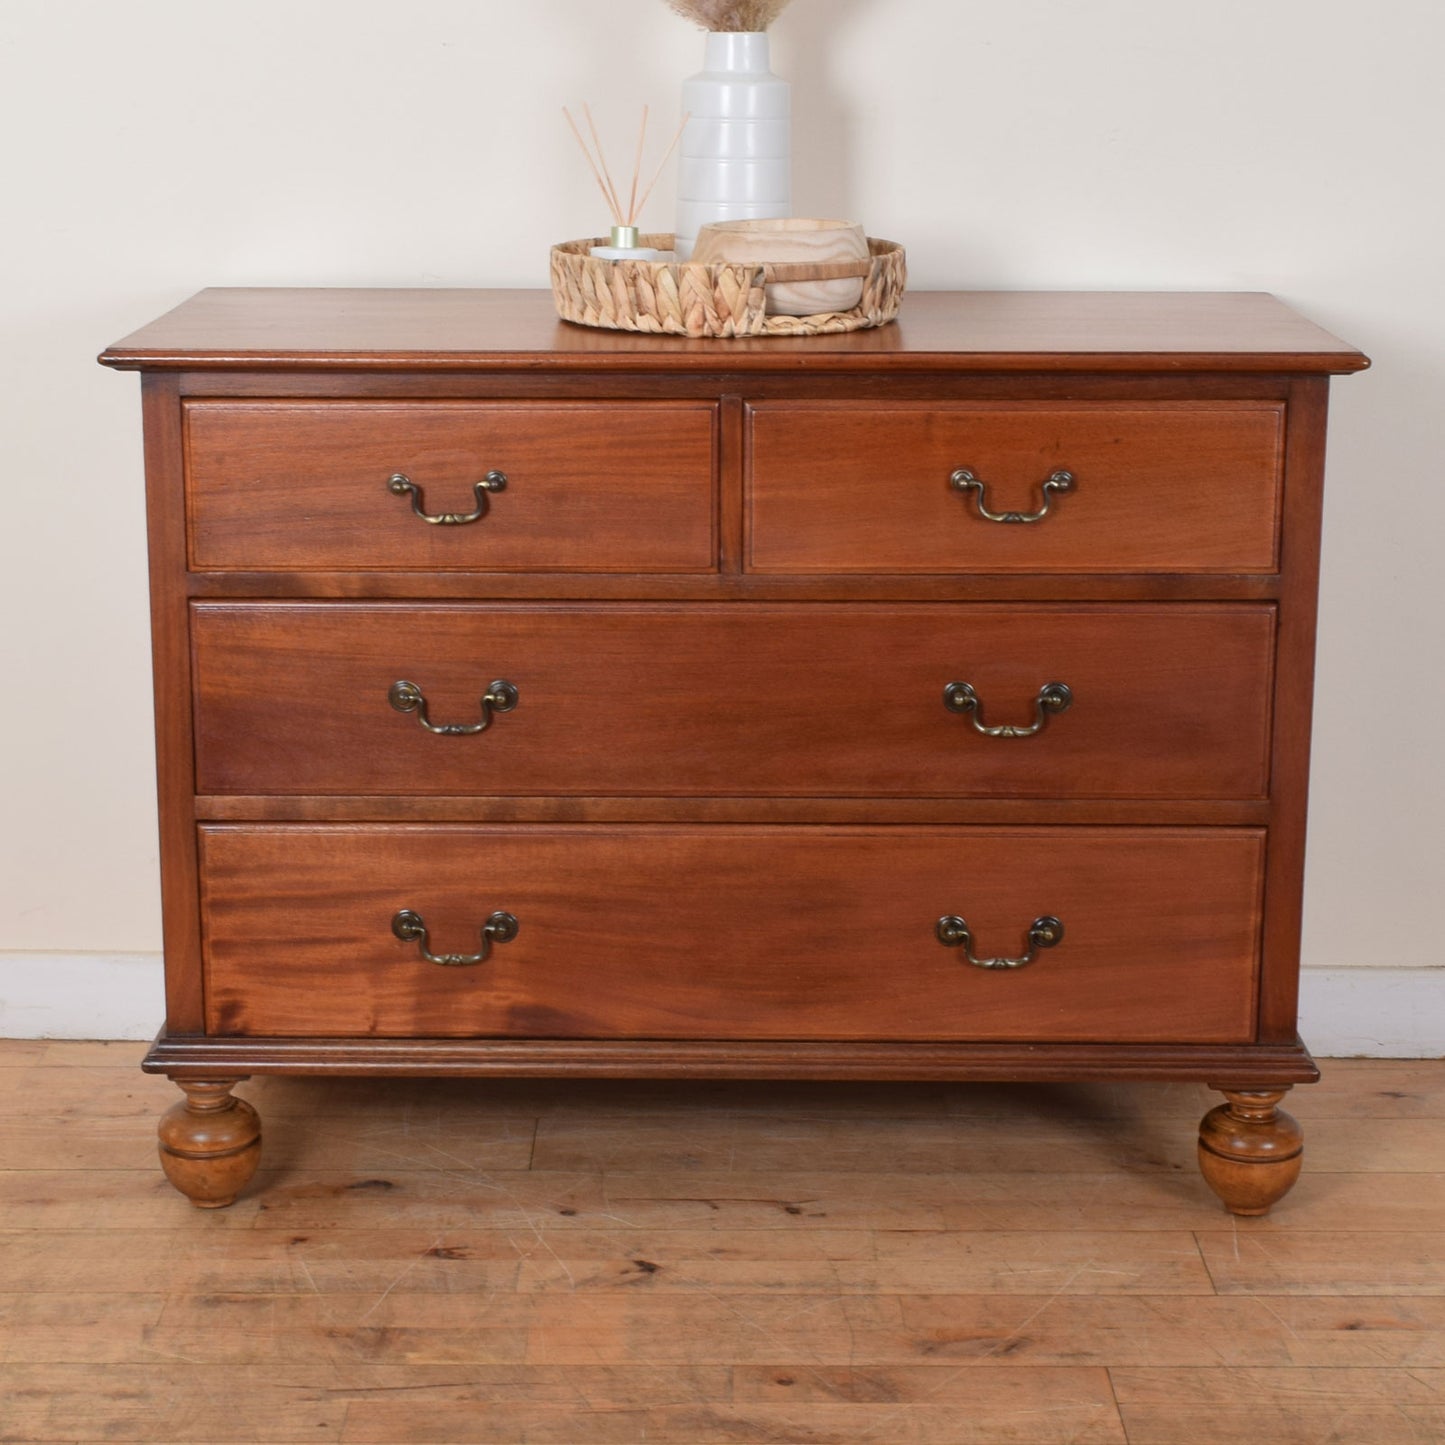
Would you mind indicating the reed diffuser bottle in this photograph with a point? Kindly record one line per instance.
(735, 158)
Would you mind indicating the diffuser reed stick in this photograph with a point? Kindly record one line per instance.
(637, 167)
(602, 161)
(603, 176)
(601, 184)
(666, 156)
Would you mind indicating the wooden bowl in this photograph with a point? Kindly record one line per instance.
(791, 241)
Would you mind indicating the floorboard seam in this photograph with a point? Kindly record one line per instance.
(1118, 1408)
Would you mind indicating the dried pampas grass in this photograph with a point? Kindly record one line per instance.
(730, 14)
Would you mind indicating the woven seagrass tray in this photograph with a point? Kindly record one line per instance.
(682, 298)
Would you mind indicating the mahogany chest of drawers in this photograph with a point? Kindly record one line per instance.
(922, 703)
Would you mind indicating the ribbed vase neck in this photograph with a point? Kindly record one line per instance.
(737, 52)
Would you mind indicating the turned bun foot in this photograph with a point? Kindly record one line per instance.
(1250, 1150)
(210, 1143)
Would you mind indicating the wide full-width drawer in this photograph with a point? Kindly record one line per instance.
(731, 932)
(845, 700)
(620, 487)
(907, 487)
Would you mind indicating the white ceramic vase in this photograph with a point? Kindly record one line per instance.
(735, 156)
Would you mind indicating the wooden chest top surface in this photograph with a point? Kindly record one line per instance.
(452, 330)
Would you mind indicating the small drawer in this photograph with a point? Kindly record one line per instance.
(699, 699)
(1150, 487)
(756, 932)
(307, 486)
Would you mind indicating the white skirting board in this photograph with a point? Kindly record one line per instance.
(81, 995)
(1378, 1013)
(1387, 1013)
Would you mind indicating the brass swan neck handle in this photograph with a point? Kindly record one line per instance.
(501, 696)
(1056, 483)
(1044, 932)
(410, 927)
(1052, 698)
(401, 485)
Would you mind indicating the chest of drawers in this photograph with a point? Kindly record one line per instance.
(923, 703)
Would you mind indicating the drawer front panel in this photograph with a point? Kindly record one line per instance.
(625, 487)
(781, 933)
(1166, 700)
(1156, 487)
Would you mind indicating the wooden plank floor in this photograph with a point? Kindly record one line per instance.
(588, 1263)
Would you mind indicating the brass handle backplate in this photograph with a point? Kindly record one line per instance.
(401, 485)
(954, 932)
(501, 696)
(1053, 697)
(410, 927)
(964, 480)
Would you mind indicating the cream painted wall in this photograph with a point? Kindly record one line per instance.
(156, 146)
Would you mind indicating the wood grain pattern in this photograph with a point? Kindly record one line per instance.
(1157, 488)
(1393, 1108)
(625, 487)
(171, 664)
(734, 587)
(1274, 1407)
(1250, 1150)
(797, 382)
(1294, 699)
(210, 1143)
(727, 587)
(745, 932)
(420, 1291)
(192, 1056)
(441, 330)
(1129, 1263)
(718, 701)
(577, 808)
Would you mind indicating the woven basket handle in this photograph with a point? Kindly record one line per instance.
(815, 270)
